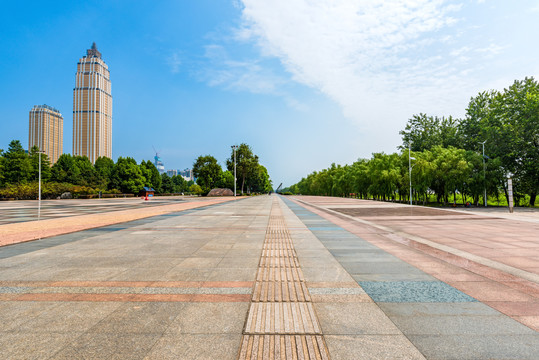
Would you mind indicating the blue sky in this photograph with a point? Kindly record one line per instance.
(305, 83)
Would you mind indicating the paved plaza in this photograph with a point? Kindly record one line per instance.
(270, 277)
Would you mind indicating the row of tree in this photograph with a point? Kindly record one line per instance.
(448, 154)
(252, 177)
(20, 170)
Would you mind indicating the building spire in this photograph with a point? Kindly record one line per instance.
(92, 52)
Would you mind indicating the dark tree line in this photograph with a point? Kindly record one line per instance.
(19, 172)
(448, 155)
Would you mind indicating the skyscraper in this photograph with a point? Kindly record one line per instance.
(92, 107)
(46, 131)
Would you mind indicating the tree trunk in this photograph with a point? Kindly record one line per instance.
(533, 195)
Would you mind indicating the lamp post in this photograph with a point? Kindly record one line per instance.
(39, 188)
(234, 147)
(484, 173)
(410, 158)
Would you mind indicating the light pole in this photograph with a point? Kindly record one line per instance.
(484, 173)
(410, 158)
(234, 147)
(39, 188)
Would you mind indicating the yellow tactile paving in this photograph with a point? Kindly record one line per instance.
(281, 323)
(279, 274)
(284, 347)
(282, 318)
(279, 291)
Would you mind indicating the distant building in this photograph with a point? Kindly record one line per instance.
(46, 131)
(187, 174)
(172, 173)
(159, 164)
(92, 107)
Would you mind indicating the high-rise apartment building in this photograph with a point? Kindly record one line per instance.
(92, 107)
(46, 131)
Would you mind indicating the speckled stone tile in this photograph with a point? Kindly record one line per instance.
(196, 346)
(413, 291)
(371, 347)
(477, 347)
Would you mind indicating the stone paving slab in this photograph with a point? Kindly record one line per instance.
(416, 303)
(12, 233)
(258, 278)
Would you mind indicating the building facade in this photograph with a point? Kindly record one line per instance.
(46, 131)
(92, 107)
(187, 174)
(159, 164)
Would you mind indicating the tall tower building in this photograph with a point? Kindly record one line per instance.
(46, 131)
(92, 107)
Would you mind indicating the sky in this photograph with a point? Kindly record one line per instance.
(305, 83)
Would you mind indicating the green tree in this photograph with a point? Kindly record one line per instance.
(2, 161)
(45, 165)
(151, 175)
(246, 164)
(259, 182)
(65, 170)
(208, 172)
(17, 165)
(423, 132)
(88, 176)
(127, 176)
(180, 185)
(103, 171)
(167, 186)
(227, 180)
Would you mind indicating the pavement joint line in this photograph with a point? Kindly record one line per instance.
(401, 237)
(281, 321)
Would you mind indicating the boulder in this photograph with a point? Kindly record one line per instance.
(66, 195)
(221, 192)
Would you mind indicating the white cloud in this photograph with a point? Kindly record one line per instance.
(239, 75)
(174, 62)
(378, 59)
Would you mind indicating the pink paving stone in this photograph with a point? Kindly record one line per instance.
(32, 230)
(490, 291)
(517, 308)
(530, 321)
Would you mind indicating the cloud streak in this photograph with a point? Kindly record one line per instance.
(375, 58)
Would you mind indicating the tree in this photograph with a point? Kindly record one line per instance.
(88, 176)
(246, 163)
(17, 165)
(65, 170)
(180, 185)
(167, 186)
(208, 172)
(151, 175)
(103, 171)
(259, 182)
(423, 132)
(508, 122)
(45, 165)
(227, 180)
(127, 176)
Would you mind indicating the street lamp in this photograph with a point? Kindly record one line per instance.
(484, 173)
(410, 158)
(234, 147)
(39, 187)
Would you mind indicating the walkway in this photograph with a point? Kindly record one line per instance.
(264, 276)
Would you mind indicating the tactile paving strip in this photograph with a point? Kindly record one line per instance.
(278, 291)
(283, 347)
(281, 323)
